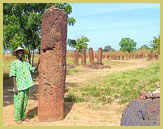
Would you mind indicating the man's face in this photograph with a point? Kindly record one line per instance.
(20, 54)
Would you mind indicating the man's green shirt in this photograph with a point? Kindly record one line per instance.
(22, 72)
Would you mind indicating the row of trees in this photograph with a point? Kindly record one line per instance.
(126, 44)
(129, 45)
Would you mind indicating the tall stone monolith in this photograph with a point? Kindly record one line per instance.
(76, 57)
(91, 56)
(99, 56)
(52, 72)
(83, 57)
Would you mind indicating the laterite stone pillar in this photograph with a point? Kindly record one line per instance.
(91, 56)
(76, 57)
(83, 57)
(99, 56)
(52, 72)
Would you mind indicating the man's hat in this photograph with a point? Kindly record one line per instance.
(20, 48)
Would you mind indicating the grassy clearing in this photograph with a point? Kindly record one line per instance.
(120, 87)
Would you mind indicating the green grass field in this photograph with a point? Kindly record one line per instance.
(120, 87)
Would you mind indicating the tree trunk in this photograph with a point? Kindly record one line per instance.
(33, 57)
(29, 56)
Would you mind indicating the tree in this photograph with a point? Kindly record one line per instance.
(156, 44)
(71, 43)
(127, 44)
(80, 43)
(108, 48)
(144, 47)
(22, 24)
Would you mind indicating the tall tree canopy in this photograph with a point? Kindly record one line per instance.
(80, 43)
(22, 24)
(127, 44)
(156, 44)
(108, 48)
(144, 47)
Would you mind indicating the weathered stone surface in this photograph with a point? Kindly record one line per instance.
(150, 56)
(141, 55)
(91, 56)
(99, 56)
(52, 72)
(122, 57)
(156, 56)
(83, 57)
(108, 57)
(76, 57)
(142, 113)
(119, 57)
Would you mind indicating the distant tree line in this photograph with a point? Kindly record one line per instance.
(128, 45)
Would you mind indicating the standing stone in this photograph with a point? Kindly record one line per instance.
(76, 57)
(150, 56)
(99, 56)
(141, 55)
(108, 57)
(156, 56)
(83, 57)
(52, 73)
(122, 57)
(91, 56)
(119, 57)
(129, 57)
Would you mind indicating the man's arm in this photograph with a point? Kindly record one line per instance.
(14, 83)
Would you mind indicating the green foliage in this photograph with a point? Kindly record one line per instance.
(143, 47)
(156, 44)
(71, 43)
(22, 24)
(108, 48)
(122, 87)
(80, 43)
(127, 44)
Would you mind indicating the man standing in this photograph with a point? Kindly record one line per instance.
(20, 73)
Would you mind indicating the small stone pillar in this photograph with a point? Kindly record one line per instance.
(76, 57)
(83, 57)
(141, 55)
(119, 57)
(52, 72)
(150, 56)
(108, 57)
(99, 56)
(122, 57)
(156, 56)
(91, 56)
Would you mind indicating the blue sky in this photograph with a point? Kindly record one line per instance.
(107, 23)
